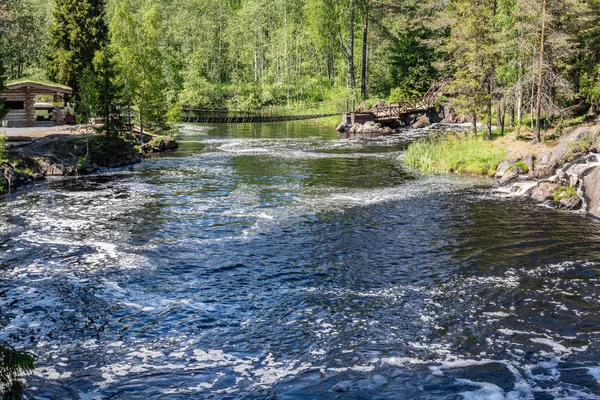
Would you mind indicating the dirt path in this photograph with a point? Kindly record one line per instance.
(37, 132)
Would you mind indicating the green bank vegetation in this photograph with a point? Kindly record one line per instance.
(564, 192)
(456, 153)
(145, 58)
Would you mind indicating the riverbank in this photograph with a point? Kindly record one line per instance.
(563, 174)
(35, 155)
(566, 176)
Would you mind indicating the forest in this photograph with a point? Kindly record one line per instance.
(509, 58)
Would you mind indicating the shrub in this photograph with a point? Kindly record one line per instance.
(564, 192)
(3, 158)
(519, 164)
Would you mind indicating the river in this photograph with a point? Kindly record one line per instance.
(282, 261)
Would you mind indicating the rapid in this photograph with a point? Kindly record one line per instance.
(284, 261)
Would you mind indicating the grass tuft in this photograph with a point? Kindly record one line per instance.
(462, 154)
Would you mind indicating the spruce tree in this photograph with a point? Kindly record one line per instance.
(77, 33)
(3, 112)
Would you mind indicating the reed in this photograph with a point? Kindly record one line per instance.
(455, 153)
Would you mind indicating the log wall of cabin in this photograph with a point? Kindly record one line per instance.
(18, 118)
(26, 116)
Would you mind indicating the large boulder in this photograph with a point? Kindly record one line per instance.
(544, 167)
(509, 177)
(504, 166)
(529, 161)
(544, 191)
(422, 122)
(570, 203)
(591, 190)
(159, 144)
(343, 127)
(573, 143)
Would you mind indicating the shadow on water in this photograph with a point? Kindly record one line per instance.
(281, 261)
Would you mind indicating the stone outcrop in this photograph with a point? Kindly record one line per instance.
(591, 190)
(544, 191)
(159, 144)
(567, 177)
(370, 128)
(65, 155)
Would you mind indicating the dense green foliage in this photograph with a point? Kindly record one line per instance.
(3, 111)
(12, 364)
(250, 53)
(455, 153)
(76, 33)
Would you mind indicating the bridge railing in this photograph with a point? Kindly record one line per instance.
(302, 109)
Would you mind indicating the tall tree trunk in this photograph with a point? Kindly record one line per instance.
(142, 110)
(511, 121)
(489, 118)
(540, 75)
(351, 79)
(474, 124)
(520, 107)
(363, 83)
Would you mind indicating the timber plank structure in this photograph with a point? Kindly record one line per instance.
(382, 112)
(20, 96)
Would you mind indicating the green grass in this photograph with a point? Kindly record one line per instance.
(44, 81)
(564, 192)
(3, 158)
(462, 154)
(519, 164)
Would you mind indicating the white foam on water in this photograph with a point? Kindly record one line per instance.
(487, 391)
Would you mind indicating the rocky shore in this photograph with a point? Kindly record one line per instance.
(69, 155)
(567, 177)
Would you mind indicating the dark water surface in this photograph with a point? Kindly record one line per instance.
(280, 261)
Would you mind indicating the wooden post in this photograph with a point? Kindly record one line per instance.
(58, 121)
(28, 105)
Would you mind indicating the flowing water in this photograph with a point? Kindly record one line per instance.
(281, 261)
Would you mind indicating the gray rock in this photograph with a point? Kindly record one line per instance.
(591, 190)
(575, 142)
(563, 178)
(545, 158)
(544, 191)
(423, 122)
(504, 166)
(529, 161)
(342, 128)
(571, 203)
(573, 181)
(508, 177)
(542, 172)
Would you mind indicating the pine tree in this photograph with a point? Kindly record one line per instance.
(77, 33)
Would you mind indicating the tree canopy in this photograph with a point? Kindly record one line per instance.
(250, 53)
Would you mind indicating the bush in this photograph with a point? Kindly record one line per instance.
(521, 165)
(3, 158)
(456, 154)
(564, 192)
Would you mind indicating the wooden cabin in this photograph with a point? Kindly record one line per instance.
(20, 99)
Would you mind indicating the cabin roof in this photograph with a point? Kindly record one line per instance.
(51, 87)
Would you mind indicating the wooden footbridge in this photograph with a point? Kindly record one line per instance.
(399, 111)
(296, 112)
(381, 112)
